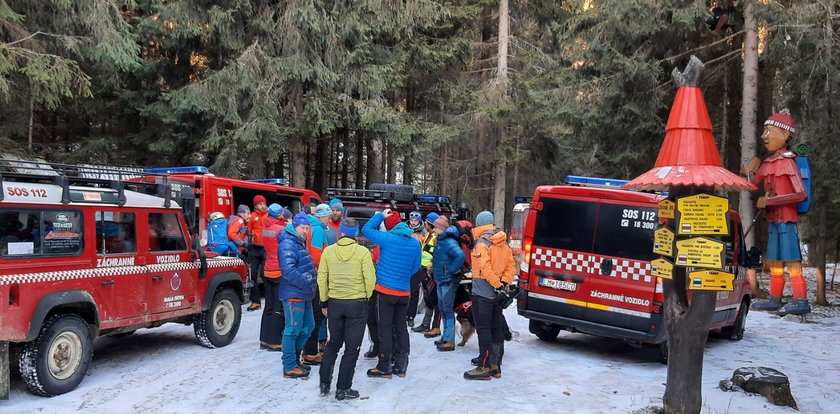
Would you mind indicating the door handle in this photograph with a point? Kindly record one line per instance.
(157, 278)
(108, 283)
(606, 266)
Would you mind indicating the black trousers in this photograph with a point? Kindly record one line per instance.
(311, 347)
(373, 330)
(393, 333)
(273, 321)
(346, 319)
(488, 322)
(414, 297)
(256, 255)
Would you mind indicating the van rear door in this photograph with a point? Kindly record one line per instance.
(620, 288)
(562, 247)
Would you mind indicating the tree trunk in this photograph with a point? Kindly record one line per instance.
(500, 166)
(31, 120)
(374, 161)
(298, 162)
(392, 163)
(408, 166)
(359, 179)
(748, 110)
(4, 370)
(688, 326)
(500, 182)
(345, 157)
(819, 252)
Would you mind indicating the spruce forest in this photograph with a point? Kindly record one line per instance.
(480, 100)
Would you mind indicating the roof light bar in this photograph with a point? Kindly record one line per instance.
(195, 169)
(278, 181)
(594, 181)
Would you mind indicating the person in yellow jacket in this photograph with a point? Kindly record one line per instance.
(346, 278)
(492, 270)
(430, 327)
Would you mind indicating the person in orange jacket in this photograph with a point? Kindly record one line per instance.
(492, 270)
(272, 323)
(256, 251)
(237, 229)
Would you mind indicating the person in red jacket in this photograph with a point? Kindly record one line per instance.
(272, 324)
(256, 252)
(337, 207)
(237, 229)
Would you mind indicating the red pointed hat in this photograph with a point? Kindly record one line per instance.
(689, 155)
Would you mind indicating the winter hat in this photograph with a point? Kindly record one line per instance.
(484, 218)
(782, 120)
(322, 210)
(337, 204)
(392, 220)
(348, 228)
(431, 217)
(300, 219)
(415, 215)
(442, 223)
(275, 210)
(216, 215)
(242, 209)
(259, 199)
(287, 214)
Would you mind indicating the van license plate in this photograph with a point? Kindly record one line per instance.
(558, 284)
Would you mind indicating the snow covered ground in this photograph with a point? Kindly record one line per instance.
(164, 370)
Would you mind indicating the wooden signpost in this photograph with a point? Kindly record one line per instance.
(700, 252)
(703, 214)
(710, 280)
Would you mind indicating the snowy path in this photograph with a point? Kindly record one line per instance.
(164, 371)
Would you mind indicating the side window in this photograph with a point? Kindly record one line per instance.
(566, 224)
(626, 231)
(41, 232)
(165, 233)
(115, 232)
(733, 245)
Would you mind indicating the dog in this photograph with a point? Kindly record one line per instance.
(463, 312)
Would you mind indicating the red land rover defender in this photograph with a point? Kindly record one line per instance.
(587, 265)
(82, 258)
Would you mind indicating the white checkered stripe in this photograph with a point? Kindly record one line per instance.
(568, 261)
(63, 275)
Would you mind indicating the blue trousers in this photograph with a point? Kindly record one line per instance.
(446, 303)
(299, 324)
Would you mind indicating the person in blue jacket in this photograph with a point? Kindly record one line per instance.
(399, 258)
(297, 288)
(446, 264)
(321, 236)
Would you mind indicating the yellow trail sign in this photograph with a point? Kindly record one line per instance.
(666, 209)
(700, 252)
(663, 241)
(662, 268)
(702, 214)
(710, 280)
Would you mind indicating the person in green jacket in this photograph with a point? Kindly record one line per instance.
(346, 278)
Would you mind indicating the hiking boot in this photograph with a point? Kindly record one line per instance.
(496, 371)
(478, 373)
(446, 346)
(371, 354)
(304, 367)
(376, 373)
(348, 394)
(431, 333)
(774, 303)
(296, 373)
(312, 359)
(796, 307)
(322, 345)
(325, 389)
(476, 361)
(439, 341)
(254, 306)
(420, 328)
(410, 322)
(398, 372)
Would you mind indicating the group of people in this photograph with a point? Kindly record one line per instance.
(313, 269)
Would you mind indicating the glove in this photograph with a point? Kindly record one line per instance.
(324, 304)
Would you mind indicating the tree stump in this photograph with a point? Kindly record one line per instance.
(768, 382)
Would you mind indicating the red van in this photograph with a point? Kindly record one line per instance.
(587, 266)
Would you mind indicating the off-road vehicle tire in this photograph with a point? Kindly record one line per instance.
(217, 326)
(402, 192)
(736, 331)
(59, 358)
(543, 330)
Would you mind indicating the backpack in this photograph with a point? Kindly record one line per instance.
(466, 241)
(217, 232)
(805, 172)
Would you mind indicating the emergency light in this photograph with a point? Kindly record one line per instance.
(594, 181)
(278, 181)
(195, 169)
(427, 199)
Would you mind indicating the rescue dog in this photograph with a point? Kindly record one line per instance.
(463, 312)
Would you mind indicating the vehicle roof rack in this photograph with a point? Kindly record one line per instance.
(352, 194)
(65, 175)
